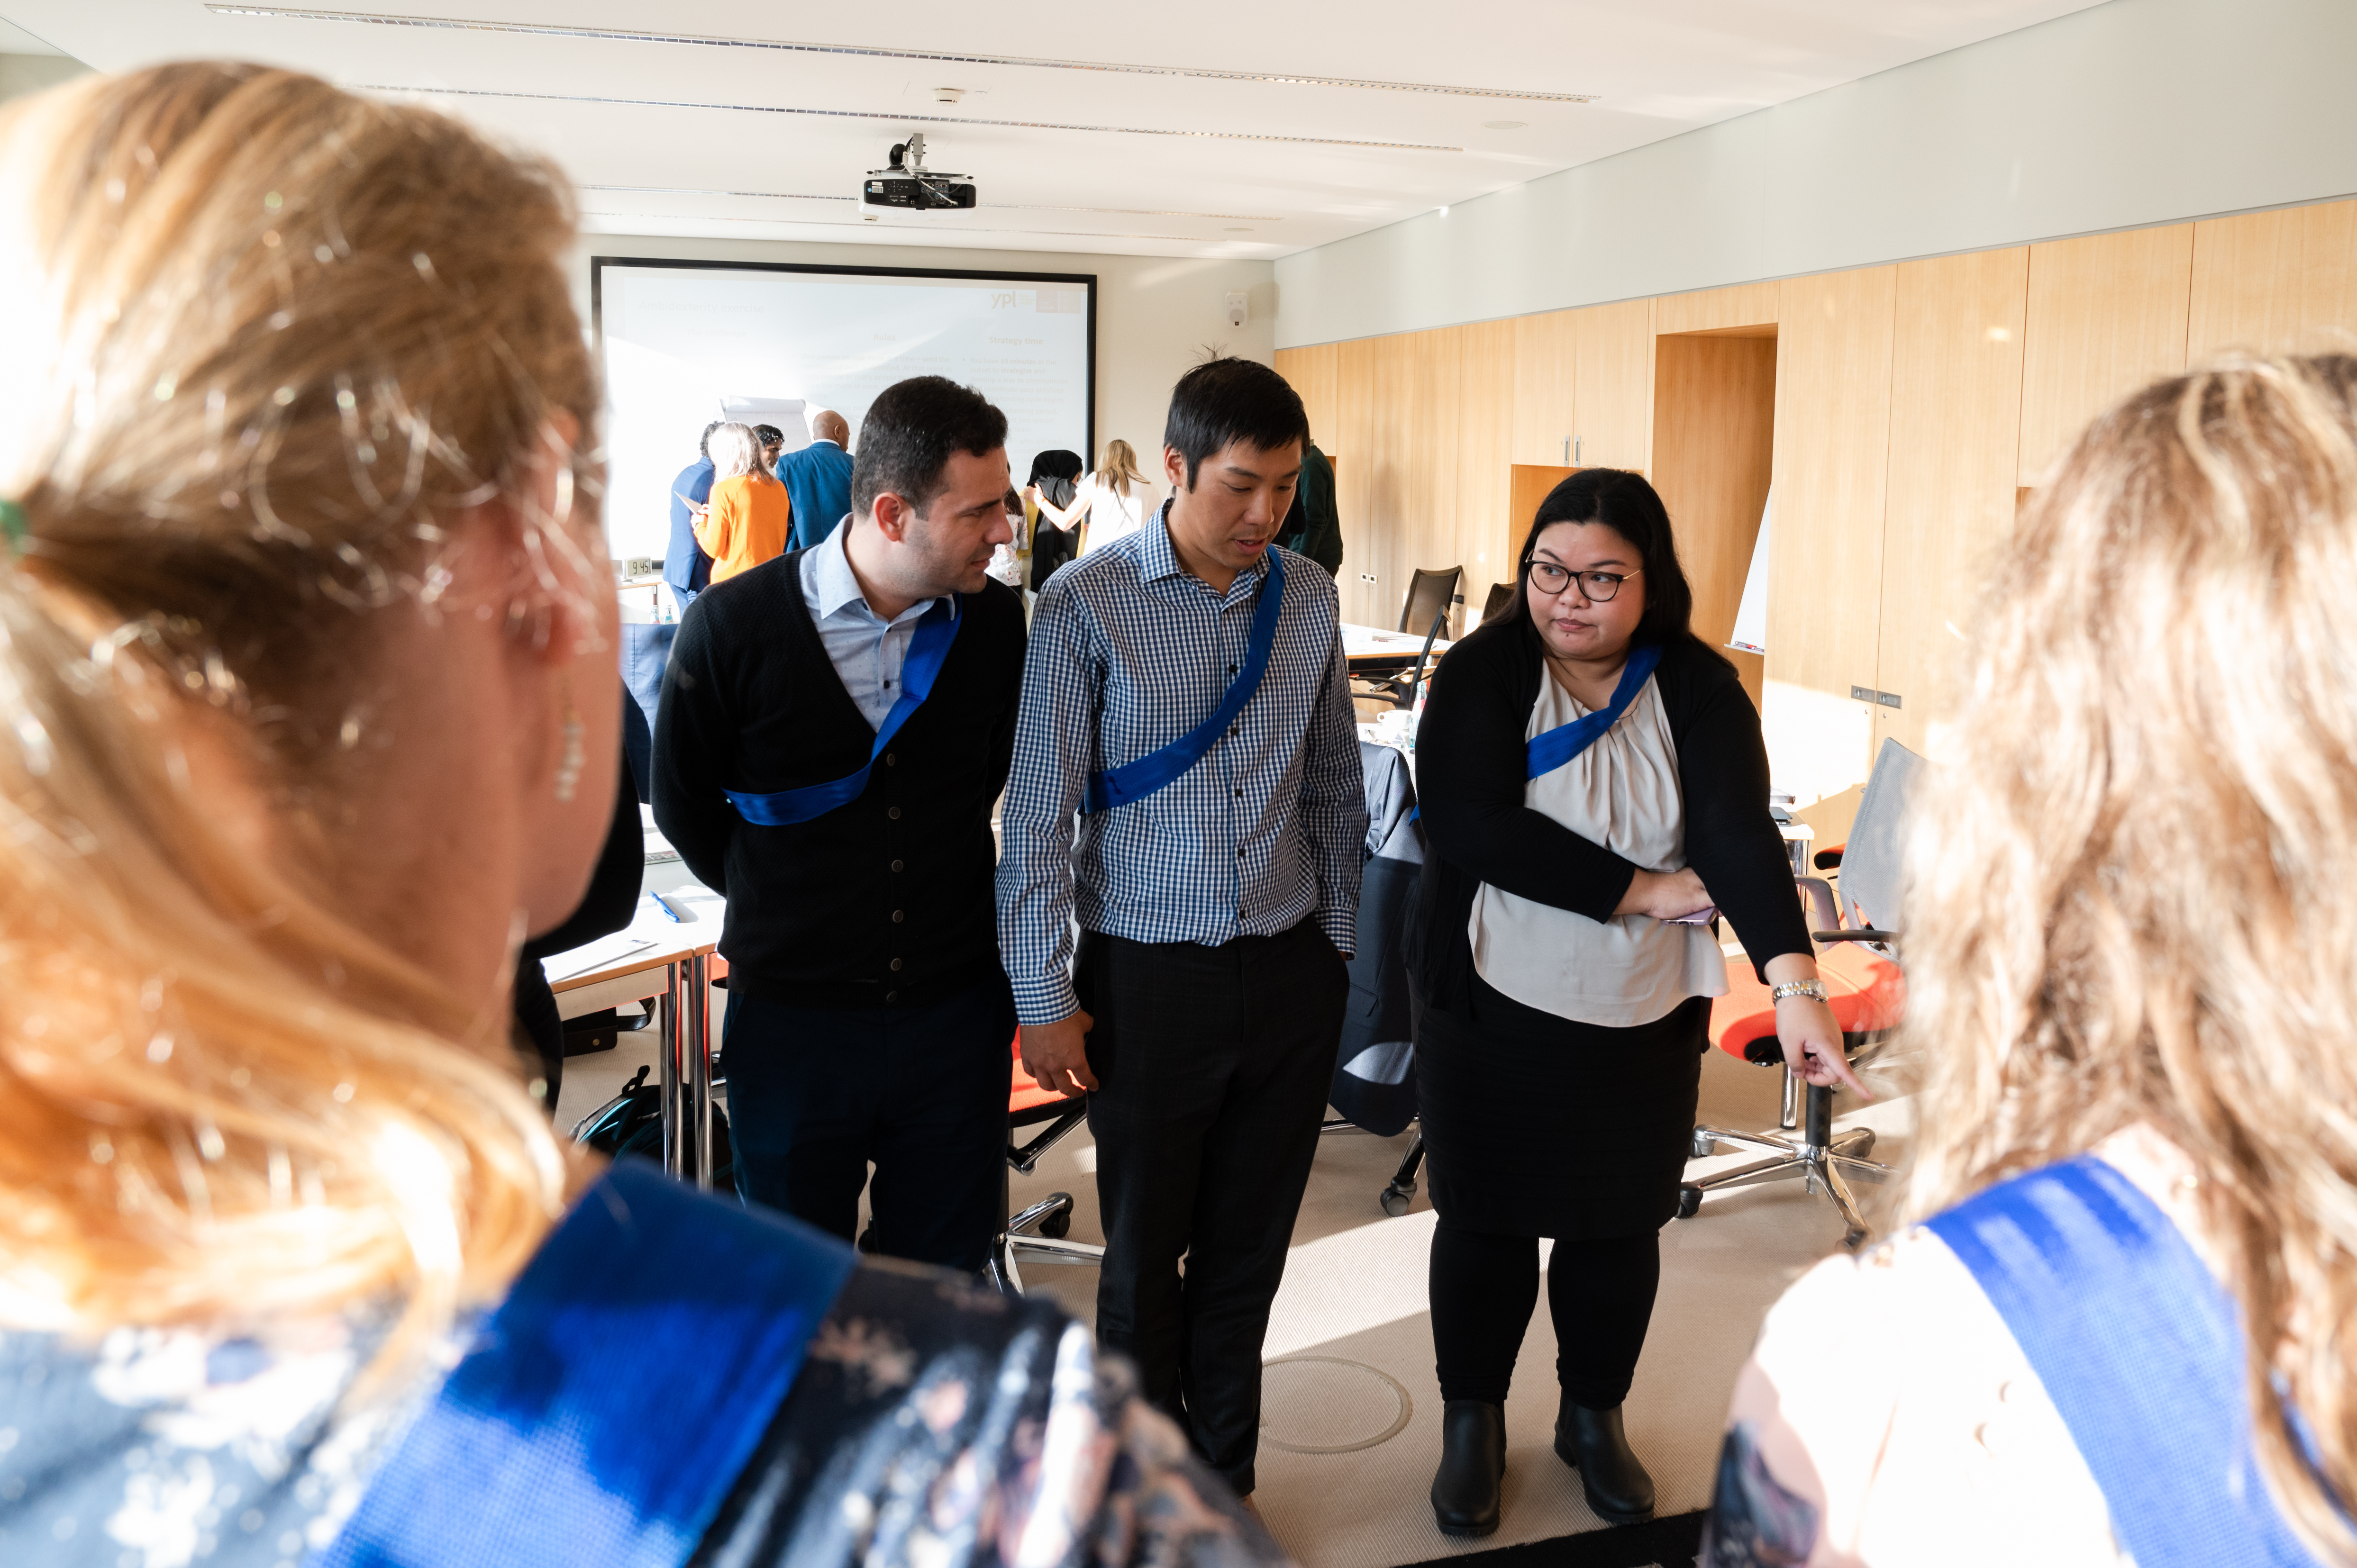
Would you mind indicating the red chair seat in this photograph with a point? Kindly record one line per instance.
(1866, 993)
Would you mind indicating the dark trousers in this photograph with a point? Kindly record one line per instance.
(1599, 1292)
(1212, 1066)
(814, 1094)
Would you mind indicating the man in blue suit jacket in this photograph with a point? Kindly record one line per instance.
(818, 480)
(646, 648)
(686, 568)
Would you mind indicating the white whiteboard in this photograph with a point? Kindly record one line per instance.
(681, 342)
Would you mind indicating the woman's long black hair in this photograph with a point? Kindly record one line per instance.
(1057, 472)
(1626, 503)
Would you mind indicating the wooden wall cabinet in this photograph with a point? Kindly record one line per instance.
(1955, 436)
(1713, 439)
(1544, 357)
(2108, 313)
(1824, 595)
(1612, 385)
(2280, 282)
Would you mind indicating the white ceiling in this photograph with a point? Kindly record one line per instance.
(1221, 128)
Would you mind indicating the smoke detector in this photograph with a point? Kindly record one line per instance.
(948, 94)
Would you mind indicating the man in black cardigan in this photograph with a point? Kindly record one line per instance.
(835, 726)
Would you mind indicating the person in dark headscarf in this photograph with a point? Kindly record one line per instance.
(1054, 481)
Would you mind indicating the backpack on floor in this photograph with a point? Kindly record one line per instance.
(632, 1123)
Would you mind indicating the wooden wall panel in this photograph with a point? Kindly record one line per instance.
(2107, 315)
(1429, 537)
(1487, 533)
(1313, 372)
(1390, 434)
(1955, 434)
(2275, 282)
(1354, 428)
(1612, 379)
(1544, 358)
(1714, 437)
(1832, 446)
(1717, 309)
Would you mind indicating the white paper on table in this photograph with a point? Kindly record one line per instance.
(592, 955)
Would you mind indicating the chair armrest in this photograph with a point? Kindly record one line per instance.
(1855, 934)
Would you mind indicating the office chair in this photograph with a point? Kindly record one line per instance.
(1501, 595)
(1429, 596)
(1028, 1105)
(1863, 984)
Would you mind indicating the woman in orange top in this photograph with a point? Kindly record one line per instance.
(748, 518)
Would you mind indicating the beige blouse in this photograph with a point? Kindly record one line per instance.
(1623, 793)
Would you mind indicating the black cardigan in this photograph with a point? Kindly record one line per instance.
(1470, 773)
(885, 900)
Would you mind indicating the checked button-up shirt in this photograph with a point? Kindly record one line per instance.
(1129, 653)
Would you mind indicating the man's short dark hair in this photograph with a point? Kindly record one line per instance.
(911, 432)
(705, 445)
(1222, 402)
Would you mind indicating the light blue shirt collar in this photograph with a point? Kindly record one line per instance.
(830, 586)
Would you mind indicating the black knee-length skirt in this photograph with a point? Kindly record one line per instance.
(1537, 1125)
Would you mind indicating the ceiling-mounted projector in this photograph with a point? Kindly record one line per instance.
(909, 187)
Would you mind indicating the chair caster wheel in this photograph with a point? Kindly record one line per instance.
(1852, 1240)
(1397, 1198)
(1689, 1200)
(1057, 1225)
(1864, 1144)
(1702, 1146)
(867, 1242)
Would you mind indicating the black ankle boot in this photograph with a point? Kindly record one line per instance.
(1472, 1464)
(1591, 1442)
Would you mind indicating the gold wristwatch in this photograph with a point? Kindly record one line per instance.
(1810, 988)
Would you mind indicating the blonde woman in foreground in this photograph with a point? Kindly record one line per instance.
(307, 710)
(2121, 1333)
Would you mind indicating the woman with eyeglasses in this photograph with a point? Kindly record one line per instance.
(1594, 786)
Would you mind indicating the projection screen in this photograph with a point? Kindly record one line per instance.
(685, 340)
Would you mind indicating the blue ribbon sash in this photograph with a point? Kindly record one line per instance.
(1558, 745)
(2141, 1350)
(928, 650)
(608, 1405)
(1134, 781)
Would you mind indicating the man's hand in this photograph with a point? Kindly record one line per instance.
(1057, 1055)
(1664, 894)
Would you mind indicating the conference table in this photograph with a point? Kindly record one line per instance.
(672, 956)
(1373, 652)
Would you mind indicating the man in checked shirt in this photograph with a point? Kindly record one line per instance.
(1215, 878)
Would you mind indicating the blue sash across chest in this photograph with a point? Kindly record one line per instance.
(2141, 1350)
(928, 650)
(605, 1409)
(1545, 753)
(1135, 780)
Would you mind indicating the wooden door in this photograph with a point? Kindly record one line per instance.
(1313, 373)
(1743, 304)
(2281, 282)
(1713, 437)
(2107, 313)
(1824, 601)
(1955, 436)
(1354, 490)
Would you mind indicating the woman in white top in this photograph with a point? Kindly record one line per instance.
(1565, 1005)
(1114, 501)
(2121, 1330)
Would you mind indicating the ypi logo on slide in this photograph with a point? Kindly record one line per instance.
(1003, 301)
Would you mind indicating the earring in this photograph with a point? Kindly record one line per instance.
(576, 755)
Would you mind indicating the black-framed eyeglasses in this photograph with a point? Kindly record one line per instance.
(1595, 587)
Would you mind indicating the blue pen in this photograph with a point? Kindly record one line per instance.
(664, 905)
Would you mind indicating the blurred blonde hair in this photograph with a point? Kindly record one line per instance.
(271, 338)
(1119, 469)
(735, 454)
(2133, 895)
